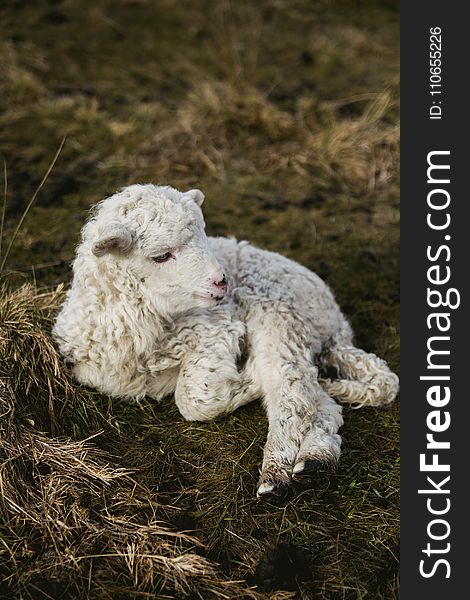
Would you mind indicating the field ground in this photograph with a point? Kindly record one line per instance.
(285, 113)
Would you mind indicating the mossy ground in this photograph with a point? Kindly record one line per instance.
(286, 114)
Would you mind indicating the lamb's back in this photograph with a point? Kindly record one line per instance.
(258, 275)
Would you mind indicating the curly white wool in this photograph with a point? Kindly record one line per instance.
(148, 315)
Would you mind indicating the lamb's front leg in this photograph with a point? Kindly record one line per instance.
(209, 383)
(303, 419)
(303, 426)
(208, 388)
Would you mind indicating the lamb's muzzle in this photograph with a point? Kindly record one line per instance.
(149, 314)
(222, 284)
(221, 288)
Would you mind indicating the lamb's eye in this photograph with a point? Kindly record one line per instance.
(162, 258)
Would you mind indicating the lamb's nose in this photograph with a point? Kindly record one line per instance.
(222, 285)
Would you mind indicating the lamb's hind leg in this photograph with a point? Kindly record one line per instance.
(303, 420)
(366, 379)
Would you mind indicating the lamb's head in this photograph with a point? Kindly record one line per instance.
(155, 235)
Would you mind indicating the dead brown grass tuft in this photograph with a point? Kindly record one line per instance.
(18, 84)
(221, 126)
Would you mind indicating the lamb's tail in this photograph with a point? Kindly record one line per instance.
(367, 380)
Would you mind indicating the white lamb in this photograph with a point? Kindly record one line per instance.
(157, 308)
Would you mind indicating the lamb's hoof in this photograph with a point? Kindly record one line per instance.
(309, 468)
(279, 490)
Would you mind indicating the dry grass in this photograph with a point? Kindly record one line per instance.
(221, 126)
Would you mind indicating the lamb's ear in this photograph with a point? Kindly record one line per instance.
(115, 238)
(196, 195)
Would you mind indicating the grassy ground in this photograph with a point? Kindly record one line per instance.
(286, 114)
